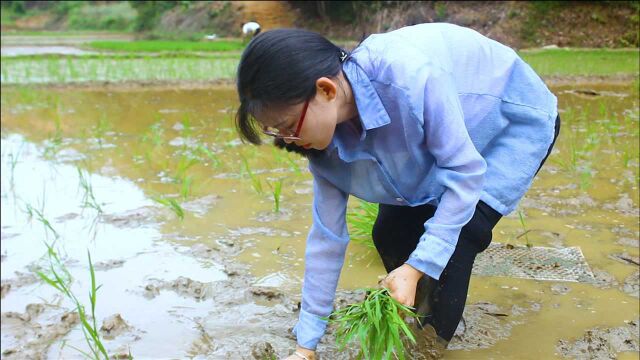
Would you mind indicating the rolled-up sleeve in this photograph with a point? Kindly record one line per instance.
(324, 257)
(459, 168)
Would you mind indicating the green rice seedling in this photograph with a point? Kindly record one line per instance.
(276, 190)
(60, 278)
(585, 178)
(13, 162)
(88, 198)
(101, 128)
(172, 204)
(215, 160)
(55, 141)
(186, 126)
(626, 157)
(154, 134)
(524, 229)
(361, 222)
(571, 163)
(293, 165)
(39, 215)
(377, 323)
(184, 164)
(185, 188)
(255, 181)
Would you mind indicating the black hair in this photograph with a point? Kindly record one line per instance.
(280, 68)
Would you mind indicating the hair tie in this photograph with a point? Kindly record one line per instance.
(343, 56)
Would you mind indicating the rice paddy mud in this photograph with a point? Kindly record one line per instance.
(200, 252)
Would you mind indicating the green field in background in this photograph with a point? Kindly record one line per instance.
(171, 46)
(180, 64)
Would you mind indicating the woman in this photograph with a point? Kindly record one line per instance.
(441, 126)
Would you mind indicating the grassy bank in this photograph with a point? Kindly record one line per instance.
(171, 46)
(185, 66)
(582, 62)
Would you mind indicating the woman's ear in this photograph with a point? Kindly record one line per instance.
(327, 88)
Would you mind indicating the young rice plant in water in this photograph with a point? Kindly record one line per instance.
(524, 229)
(376, 323)
(59, 278)
(170, 203)
(277, 191)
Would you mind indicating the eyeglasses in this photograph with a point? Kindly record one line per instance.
(276, 133)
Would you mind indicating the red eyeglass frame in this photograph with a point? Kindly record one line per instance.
(296, 135)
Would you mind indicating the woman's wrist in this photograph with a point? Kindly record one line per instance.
(414, 273)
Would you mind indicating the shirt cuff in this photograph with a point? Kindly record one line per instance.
(431, 255)
(309, 329)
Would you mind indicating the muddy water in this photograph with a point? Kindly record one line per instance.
(225, 281)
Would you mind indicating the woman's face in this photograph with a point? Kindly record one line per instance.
(318, 121)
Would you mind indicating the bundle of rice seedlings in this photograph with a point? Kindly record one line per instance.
(377, 323)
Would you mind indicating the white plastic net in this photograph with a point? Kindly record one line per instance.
(539, 263)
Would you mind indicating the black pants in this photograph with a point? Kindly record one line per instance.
(396, 233)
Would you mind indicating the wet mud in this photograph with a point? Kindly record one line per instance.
(33, 331)
(602, 343)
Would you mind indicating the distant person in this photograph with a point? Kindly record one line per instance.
(441, 126)
(250, 29)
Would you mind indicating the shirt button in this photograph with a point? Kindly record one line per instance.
(399, 200)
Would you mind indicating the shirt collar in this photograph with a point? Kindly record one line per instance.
(372, 112)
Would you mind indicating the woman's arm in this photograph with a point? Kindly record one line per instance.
(324, 256)
(459, 168)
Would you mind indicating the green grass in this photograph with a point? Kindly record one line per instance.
(163, 45)
(582, 62)
(64, 33)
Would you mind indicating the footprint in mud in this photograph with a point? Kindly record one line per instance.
(602, 343)
(31, 312)
(269, 216)
(602, 279)
(263, 350)
(626, 258)
(182, 285)
(484, 324)
(132, 218)
(108, 265)
(34, 338)
(113, 326)
(623, 206)
(201, 206)
(268, 293)
(560, 289)
(4, 289)
(626, 241)
(631, 285)
(21, 279)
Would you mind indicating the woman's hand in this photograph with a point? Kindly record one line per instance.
(402, 283)
(309, 354)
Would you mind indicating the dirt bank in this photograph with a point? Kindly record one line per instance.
(519, 24)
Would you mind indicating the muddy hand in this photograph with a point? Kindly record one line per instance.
(402, 283)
